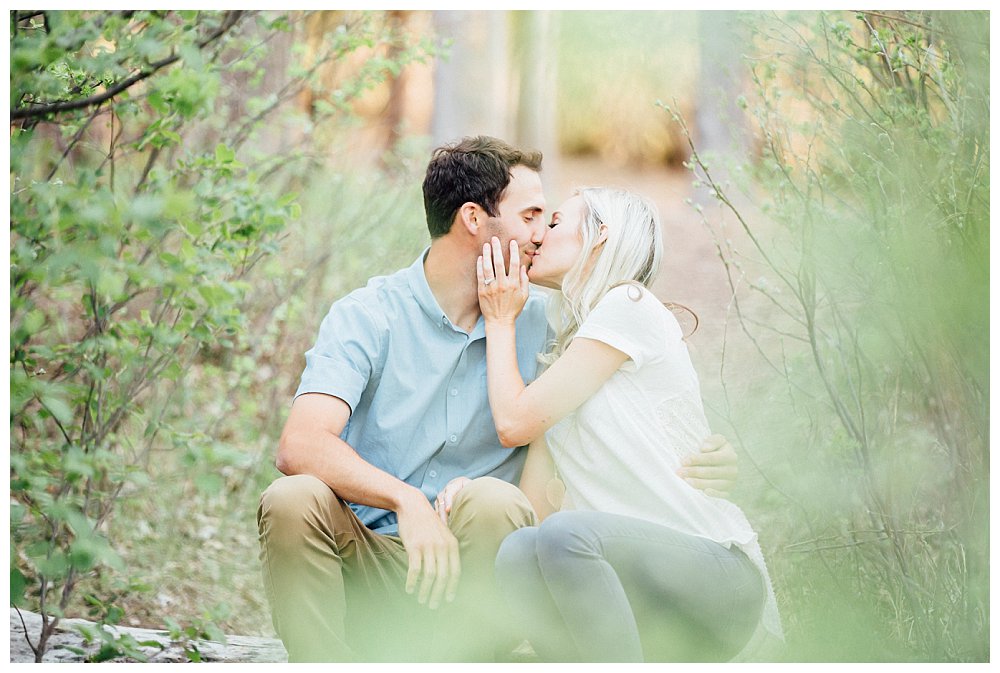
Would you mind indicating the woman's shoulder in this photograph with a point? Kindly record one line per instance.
(634, 299)
(629, 294)
(640, 309)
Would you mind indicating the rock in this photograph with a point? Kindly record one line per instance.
(235, 649)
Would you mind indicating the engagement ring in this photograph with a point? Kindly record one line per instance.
(488, 281)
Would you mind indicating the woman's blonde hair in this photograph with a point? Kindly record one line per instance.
(630, 253)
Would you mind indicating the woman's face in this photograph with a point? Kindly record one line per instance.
(561, 246)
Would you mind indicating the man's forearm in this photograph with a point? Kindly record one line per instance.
(339, 466)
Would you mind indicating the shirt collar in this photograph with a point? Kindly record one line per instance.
(417, 279)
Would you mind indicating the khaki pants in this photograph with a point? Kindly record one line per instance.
(336, 588)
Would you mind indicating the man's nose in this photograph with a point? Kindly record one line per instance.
(538, 232)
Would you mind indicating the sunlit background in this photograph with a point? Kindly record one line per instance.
(190, 191)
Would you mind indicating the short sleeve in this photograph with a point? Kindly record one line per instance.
(346, 353)
(630, 319)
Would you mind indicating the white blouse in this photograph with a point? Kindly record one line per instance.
(619, 451)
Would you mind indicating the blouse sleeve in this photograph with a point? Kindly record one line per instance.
(631, 320)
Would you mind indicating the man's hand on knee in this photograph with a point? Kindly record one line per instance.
(446, 498)
(713, 469)
(432, 552)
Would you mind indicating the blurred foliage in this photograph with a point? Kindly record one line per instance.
(858, 379)
(612, 66)
(154, 329)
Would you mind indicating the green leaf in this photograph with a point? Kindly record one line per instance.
(58, 407)
(37, 549)
(54, 567)
(173, 628)
(17, 512)
(33, 322)
(111, 284)
(191, 56)
(223, 154)
(18, 584)
(78, 463)
(214, 633)
(77, 520)
(114, 615)
(106, 653)
(81, 556)
(156, 101)
(147, 207)
(89, 632)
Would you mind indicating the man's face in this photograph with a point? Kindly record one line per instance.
(522, 214)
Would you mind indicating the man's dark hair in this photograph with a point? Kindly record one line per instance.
(475, 169)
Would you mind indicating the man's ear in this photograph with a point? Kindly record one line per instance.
(471, 216)
(602, 235)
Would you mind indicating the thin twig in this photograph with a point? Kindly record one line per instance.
(27, 639)
(73, 142)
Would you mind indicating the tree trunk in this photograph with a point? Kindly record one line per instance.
(536, 89)
(471, 84)
(720, 125)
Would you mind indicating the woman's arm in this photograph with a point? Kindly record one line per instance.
(523, 413)
(537, 480)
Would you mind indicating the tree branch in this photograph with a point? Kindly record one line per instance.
(33, 111)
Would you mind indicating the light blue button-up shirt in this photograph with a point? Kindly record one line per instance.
(416, 385)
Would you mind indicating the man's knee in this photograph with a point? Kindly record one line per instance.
(291, 506)
(291, 495)
(490, 503)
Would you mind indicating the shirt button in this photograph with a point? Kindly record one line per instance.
(453, 439)
(433, 473)
(454, 391)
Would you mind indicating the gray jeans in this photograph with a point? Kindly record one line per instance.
(593, 586)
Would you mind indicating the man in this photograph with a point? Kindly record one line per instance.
(391, 408)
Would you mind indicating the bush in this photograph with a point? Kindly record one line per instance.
(148, 200)
(861, 288)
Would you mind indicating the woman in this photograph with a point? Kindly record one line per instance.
(637, 565)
